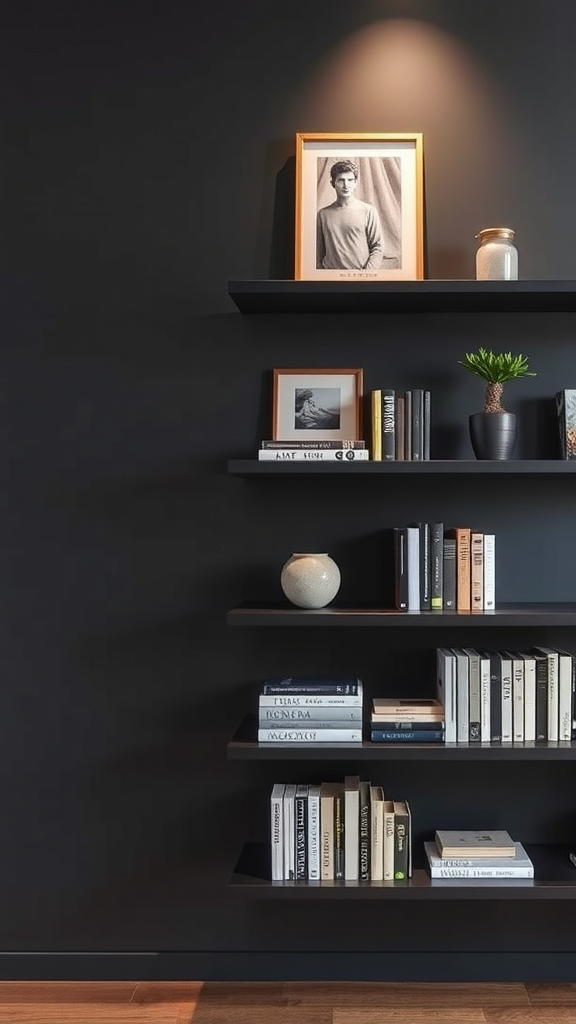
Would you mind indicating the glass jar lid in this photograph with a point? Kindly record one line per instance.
(487, 233)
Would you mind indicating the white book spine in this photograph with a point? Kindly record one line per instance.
(507, 709)
(565, 674)
(446, 691)
(553, 701)
(413, 561)
(474, 694)
(529, 698)
(388, 841)
(277, 831)
(303, 701)
(376, 835)
(272, 717)
(289, 833)
(503, 872)
(351, 830)
(462, 697)
(343, 455)
(314, 833)
(485, 732)
(310, 735)
(518, 700)
(489, 572)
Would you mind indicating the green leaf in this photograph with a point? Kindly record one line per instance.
(496, 367)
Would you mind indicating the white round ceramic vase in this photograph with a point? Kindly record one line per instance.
(310, 580)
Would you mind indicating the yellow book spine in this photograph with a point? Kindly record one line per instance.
(376, 419)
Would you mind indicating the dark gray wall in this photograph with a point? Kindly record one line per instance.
(145, 159)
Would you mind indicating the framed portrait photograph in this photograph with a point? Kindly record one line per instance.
(317, 405)
(359, 207)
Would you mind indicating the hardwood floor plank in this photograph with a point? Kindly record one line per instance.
(551, 995)
(237, 1014)
(445, 994)
(531, 1015)
(410, 1015)
(87, 1013)
(211, 993)
(66, 992)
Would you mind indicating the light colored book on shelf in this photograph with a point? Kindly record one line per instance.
(277, 831)
(321, 732)
(471, 843)
(553, 702)
(474, 702)
(462, 695)
(376, 424)
(310, 700)
(388, 840)
(410, 708)
(517, 696)
(446, 690)
(529, 696)
(351, 826)
(341, 443)
(295, 717)
(345, 456)
(485, 722)
(289, 832)
(565, 691)
(314, 833)
(477, 571)
(506, 696)
(413, 563)
(519, 866)
(376, 833)
(327, 844)
(489, 572)
(462, 537)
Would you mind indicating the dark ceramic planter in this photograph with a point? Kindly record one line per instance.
(493, 434)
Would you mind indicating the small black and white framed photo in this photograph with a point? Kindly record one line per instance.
(317, 405)
(359, 207)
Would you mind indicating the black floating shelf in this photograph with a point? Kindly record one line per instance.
(505, 615)
(244, 747)
(286, 296)
(555, 879)
(454, 467)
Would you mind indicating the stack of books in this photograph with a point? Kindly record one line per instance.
(400, 425)
(406, 720)
(477, 855)
(444, 570)
(297, 709)
(336, 831)
(313, 451)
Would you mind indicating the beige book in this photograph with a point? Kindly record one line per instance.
(376, 833)
(351, 827)
(477, 571)
(388, 840)
(327, 831)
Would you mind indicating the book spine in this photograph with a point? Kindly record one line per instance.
(351, 827)
(566, 408)
(289, 832)
(311, 445)
(339, 832)
(475, 701)
(437, 567)
(449, 574)
(301, 819)
(313, 455)
(489, 572)
(388, 868)
(417, 424)
(408, 426)
(446, 690)
(565, 674)
(302, 700)
(335, 716)
(310, 735)
(413, 565)
(462, 697)
(477, 572)
(407, 736)
(553, 701)
(541, 697)
(314, 833)
(311, 688)
(529, 698)
(388, 425)
(364, 842)
(462, 537)
(517, 699)
(400, 568)
(376, 424)
(507, 702)
(425, 579)
(401, 841)
(326, 835)
(503, 872)
(495, 698)
(277, 832)
(426, 421)
(409, 725)
(485, 723)
(376, 834)
(400, 429)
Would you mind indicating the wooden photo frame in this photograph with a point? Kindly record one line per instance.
(317, 405)
(359, 207)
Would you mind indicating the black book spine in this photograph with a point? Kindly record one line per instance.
(388, 425)
(312, 445)
(408, 425)
(339, 834)
(417, 424)
(541, 697)
(400, 568)
(495, 697)
(402, 853)
(425, 604)
(426, 422)
(301, 831)
(437, 570)
(365, 838)
(449, 574)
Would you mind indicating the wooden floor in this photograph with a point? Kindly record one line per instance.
(290, 1003)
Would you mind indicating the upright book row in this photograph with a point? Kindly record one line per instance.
(339, 831)
(400, 423)
(444, 570)
(506, 696)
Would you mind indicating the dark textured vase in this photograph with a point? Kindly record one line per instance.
(493, 434)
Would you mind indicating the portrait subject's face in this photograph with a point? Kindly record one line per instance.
(345, 185)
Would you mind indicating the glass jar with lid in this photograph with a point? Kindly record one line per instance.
(497, 256)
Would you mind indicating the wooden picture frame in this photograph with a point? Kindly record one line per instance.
(359, 207)
(317, 405)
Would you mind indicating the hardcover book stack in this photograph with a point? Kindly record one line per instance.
(444, 570)
(297, 709)
(406, 720)
(339, 831)
(400, 425)
(313, 451)
(477, 855)
(506, 696)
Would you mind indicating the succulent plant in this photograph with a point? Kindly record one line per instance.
(496, 368)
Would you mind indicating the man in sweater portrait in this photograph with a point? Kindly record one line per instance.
(349, 232)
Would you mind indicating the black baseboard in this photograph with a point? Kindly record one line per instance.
(422, 966)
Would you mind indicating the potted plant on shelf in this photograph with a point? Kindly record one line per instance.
(493, 431)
